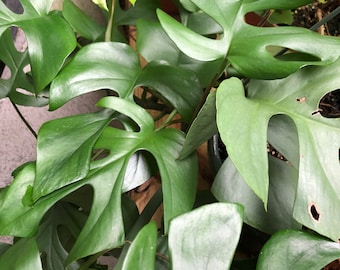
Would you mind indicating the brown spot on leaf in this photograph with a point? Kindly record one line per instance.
(301, 100)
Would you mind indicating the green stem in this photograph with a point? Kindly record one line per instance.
(159, 116)
(108, 32)
(168, 121)
(91, 260)
(24, 120)
(325, 20)
(315, 27)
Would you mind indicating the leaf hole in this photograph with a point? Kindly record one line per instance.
(27, 69)
(19, 38)
(6, 72)
(314, 212)
(329, 104)
(125, 123)
(14, 6)
(255, 19)
(98, 154)
(24, 92)
(288, 54)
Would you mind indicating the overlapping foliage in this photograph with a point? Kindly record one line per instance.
(76, 198)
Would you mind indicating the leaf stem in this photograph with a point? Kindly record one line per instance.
(23, 119)
(315, 27)
(108, 32)
(168, 121)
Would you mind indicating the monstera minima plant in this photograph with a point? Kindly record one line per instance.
(211, 72)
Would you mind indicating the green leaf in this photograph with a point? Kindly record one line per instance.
(16, 61)
(82, 24)
(21, 220)
(191, 43)
(62, 224)
(179, 177)
(282, 135)
(188, 5)
(22, 255)
(297, 250)
(104, 228)
(101, 65)
(316, 204)
(237, 118)
(38, 26)
(164, 49)
(203, 127)
(282, 190)
(281, 16)
(64, 149)
(116, 66)
(241, 42)
(178, 86)
(206, 237)
(145, 9)
(4, 247)
(142, 252)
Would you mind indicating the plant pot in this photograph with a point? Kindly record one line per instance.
(217, 153)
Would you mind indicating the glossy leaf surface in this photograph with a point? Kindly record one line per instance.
(206, 237)
(297, 250)
(241, 41)
(319, 142)
(29, 256)
(38, 26)
(142, 252)
(15, 217)
(16, 62)
(164, 49)
(115, 66)
(97, 66)
(179, 177)
(82, 23)
(104, 229)
(64, 150)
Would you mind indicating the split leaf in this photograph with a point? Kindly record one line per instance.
(319, 142)
(239, 42)
(41, 30)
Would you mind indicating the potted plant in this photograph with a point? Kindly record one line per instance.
(211, 72)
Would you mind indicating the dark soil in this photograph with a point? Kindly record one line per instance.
(306, 17)
(310, 14)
